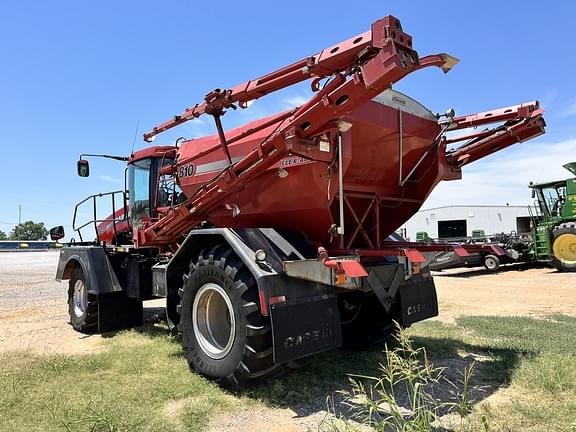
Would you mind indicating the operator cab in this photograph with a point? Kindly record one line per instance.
(149, 189)
(552, 197)
(557, 199)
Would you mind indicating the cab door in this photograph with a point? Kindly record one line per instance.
(139, 182)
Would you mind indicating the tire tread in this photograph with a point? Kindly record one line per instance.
(257, 362)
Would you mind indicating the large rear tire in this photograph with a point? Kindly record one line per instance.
(564, 247)
(82, 306)
(223, 332)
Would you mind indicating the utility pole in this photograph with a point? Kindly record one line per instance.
(19, 214)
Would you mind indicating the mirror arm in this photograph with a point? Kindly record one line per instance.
(119, 158)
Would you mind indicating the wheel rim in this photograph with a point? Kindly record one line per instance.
(79, 298)
(213, 320)
(564, 248)
(490, 263)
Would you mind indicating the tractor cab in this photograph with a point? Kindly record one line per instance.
(149, 189)
(147, 192)
(557, 199)
(554, 231)
(551, 198)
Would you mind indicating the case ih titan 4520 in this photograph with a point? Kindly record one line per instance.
(274, 241)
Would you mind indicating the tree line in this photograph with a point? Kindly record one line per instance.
(28, 230)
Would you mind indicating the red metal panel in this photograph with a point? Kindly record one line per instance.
(263, 304)
(353, 268)
(414, 255)
(460, 251)
(497, 250)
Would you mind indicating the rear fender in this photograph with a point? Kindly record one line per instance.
(244, 242)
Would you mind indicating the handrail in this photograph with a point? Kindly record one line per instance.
(114, 220)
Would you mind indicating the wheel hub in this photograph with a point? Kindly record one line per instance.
(80, 298)
(213, 320)
(564, 248)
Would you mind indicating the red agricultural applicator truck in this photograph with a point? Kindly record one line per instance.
(275, 240)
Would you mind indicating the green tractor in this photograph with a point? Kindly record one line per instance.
(554, 230)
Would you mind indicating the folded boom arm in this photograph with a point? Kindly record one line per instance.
(522, 122)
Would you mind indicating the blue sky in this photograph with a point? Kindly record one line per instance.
(77, 77)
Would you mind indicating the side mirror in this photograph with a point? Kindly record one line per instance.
(83, 168)
(533, 193)
(57, 233)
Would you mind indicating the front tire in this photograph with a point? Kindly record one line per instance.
(564, 247)
(82, 306)
(223, 333)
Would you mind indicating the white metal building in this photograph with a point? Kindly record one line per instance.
(460, 221)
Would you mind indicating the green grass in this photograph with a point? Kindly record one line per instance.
(533, 360)
(323, 375)
(141, 381)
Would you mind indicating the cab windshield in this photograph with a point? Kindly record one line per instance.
(553, 197)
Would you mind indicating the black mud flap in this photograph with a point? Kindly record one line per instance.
(117, 312)
(306, 326)
(418, 300)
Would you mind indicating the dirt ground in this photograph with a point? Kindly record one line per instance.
(33, 314)
(519, 289)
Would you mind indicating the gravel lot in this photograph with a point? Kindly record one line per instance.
(33, 309)
(27, 279)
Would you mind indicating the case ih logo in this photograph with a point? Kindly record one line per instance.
(186, 170)
(417, 308)
(308, 337)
